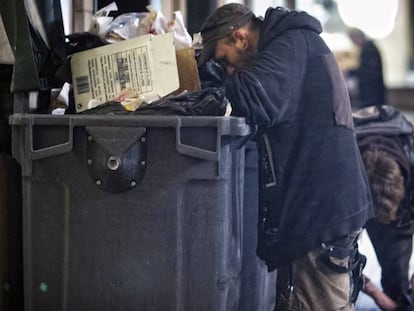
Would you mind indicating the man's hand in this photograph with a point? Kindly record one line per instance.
(380, 298)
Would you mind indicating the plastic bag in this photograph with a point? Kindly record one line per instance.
(127, 26)
(211, 74)
(206, 102)
(81, 41)
(133, 24)
(182, 38)
(108, 108)
(101, 19)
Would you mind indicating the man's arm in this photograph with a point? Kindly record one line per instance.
(267, 92)
(380, 298)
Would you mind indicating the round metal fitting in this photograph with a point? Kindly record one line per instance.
(113, 163)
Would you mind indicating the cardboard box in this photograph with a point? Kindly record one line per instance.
(146, 64)
(187, 70)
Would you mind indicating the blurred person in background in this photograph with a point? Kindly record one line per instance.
(368, 76)
(382, 300)
(314, 195)
(385, 138)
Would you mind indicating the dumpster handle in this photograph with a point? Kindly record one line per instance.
(195, 151)
(51, 150)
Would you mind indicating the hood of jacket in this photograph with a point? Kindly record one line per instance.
(278, 20)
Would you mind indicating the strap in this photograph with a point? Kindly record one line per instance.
(385, 120)
(355, 258)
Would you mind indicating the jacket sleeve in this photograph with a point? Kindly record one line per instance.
(268, 92)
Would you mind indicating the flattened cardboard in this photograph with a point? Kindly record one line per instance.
(146, 64)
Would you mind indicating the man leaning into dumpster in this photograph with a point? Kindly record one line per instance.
(314, 195)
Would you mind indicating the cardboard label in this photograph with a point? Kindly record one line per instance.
(146, 64)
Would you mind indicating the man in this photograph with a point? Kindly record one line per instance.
(369, 78)
(384, 301)
(314, 196)
(386, 141)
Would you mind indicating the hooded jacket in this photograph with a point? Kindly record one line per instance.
(313, 187)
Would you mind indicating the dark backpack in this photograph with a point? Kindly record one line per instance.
(388, 121)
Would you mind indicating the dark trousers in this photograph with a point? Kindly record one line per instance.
(393, 253)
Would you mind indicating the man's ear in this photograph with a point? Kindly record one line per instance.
(240, 37)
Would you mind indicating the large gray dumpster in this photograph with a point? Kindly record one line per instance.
(131, 212)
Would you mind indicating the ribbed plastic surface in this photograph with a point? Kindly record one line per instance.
(131, 213)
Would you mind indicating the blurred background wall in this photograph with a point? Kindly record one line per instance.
(393, 20)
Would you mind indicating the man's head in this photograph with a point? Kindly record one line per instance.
(230, 36)
(386, 182)
(357, 36)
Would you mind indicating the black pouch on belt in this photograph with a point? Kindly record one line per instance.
(342, 256)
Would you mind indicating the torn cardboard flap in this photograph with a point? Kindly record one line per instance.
(146, 64)
(187, 71)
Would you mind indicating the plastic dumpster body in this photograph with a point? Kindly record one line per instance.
(131, 212)
(11, 270)
(258, 290)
